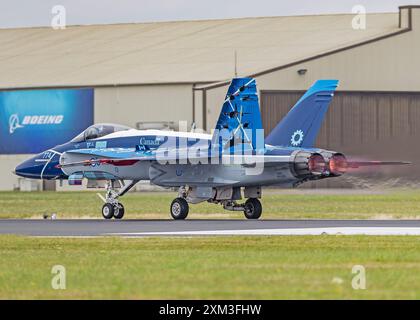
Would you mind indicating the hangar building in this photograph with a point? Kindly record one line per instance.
(179, 71)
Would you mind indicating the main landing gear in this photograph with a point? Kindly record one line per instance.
(252, 208)
(112, 207)
(179, 209)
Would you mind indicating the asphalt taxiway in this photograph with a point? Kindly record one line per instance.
(141, 228)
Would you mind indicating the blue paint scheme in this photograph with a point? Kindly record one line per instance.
(118, 148)
(240, 117)
(306, 115)
(304, 120)
(208, 168)
(33, 167)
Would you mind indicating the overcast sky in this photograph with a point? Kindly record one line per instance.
(25, 13)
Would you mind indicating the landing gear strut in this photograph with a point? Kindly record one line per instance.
(112, 207)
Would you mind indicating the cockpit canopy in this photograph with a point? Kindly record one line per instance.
(99, 130)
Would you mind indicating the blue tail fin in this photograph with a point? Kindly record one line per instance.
(300, 127)
(240, 116)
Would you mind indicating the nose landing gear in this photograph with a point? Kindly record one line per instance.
(112, 207)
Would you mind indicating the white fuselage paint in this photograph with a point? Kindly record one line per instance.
(231, 170)
(151, 132)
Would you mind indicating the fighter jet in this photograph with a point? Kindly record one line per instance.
(232, 163)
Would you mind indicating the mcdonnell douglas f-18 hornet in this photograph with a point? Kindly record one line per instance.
(235, 161)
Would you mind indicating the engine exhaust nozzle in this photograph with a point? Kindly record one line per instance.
(307, 165)
(338, 164)
(316, 164)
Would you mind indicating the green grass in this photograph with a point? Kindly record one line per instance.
(300, 267)
(276, 204)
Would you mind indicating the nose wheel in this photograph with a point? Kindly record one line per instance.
(119, 211)
(110, 211)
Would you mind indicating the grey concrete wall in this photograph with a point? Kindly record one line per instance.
(8, 163)
(128, 105)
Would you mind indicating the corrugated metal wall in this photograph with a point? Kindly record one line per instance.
(358, 123)
(353, 117)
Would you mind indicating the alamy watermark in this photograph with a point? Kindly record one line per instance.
(58, 21)
(359, 280)
(58, 281)
(359, 20)
(243, 147)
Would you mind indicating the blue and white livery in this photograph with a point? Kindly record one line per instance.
(232, 163)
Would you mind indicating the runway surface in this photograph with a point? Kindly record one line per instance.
(141, 228)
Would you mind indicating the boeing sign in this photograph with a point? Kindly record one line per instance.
(14, 123)
(33, 120)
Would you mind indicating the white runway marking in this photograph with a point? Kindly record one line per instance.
(285, 232)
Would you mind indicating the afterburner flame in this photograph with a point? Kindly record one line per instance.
(316, 164)
(338, 164)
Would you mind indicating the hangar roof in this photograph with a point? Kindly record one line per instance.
(173, 52)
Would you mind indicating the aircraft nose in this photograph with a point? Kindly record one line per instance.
(29, 169)
(42, 166)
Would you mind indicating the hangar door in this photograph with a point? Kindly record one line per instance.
(353, 117)
(384, 126)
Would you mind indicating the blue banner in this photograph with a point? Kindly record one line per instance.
(32, 121)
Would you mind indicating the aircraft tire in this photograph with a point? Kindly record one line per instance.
(108, 211)
(179, 209)
(119, 211)
(253, 208)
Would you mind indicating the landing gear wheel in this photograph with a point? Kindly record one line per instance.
(179, 209)
(119, 211)
(252, 208)
(108, 211)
